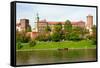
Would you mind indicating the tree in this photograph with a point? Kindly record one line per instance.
(55, 36)
(77, 33)
(18, 37)
(58, 27)
(94, 34)
(80, 31)
(94, 29)
(73, 36)
(57, 33)
(48, 29)
(21, 37)
(28, 29)
(19, 45)
(43, 37)
(67, 29)
(67, 26)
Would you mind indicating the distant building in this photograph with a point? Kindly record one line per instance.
(23, 25)
(89, 23)
(43, 24)
(78, 24)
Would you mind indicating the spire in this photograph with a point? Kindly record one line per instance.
(37, 22)
(37, 16)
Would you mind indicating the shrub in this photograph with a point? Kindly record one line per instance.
(43, 37)
(19, 46)
(68, 26)
(94, 42)
(58, 27)
(32, 43)
(25, 39)
(89, 37)
(73, 36)
(55, 36)
(21, 37)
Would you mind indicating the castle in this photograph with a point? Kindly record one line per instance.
(42, 24)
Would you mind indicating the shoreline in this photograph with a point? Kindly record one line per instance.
(52, 49)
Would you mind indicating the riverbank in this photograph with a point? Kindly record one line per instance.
(55, 49)
(83, 44)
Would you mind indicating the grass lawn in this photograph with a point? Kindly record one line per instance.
(56, 45)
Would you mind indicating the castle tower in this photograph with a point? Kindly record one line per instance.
(37, 22)
(89, 23)
(24, 24)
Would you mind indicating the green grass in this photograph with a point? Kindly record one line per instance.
(56, 45)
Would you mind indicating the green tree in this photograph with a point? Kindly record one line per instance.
(28, 29)
(57, 32)
(48, 29)
(94, 35)
(19, 45)
(73, 36)
(80, 31)
(21, 37)
(68, 26)
(55, 36)
(18, 37)
(77, 33)
(58, 27)
(94, 29)
(43, 37)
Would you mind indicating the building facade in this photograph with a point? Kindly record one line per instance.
(88, 25)
(43, 24)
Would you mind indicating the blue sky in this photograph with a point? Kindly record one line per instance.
(53, 12)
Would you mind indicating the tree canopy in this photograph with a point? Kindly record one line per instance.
(68, 26)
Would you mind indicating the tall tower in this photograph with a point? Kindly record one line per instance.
(89, 23)
(24, 24)
(37, 22)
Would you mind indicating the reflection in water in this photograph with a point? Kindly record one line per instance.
(54, 56)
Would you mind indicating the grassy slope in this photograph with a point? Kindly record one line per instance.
(56, 45)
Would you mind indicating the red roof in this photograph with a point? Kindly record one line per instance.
(54, 22)
(43, 21)
(51, 22)
(78, 22)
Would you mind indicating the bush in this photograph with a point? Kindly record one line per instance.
(21, 37)
(94, 42)
(66, 36)
(89, 37)
(19, 46)
(25, 39)
(58, 27)
(55, 36)
(73, 36)
(43, 37)
(32, 43)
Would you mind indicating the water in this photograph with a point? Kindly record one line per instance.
(54, 56)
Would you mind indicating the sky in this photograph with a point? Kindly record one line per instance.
(53, 12)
